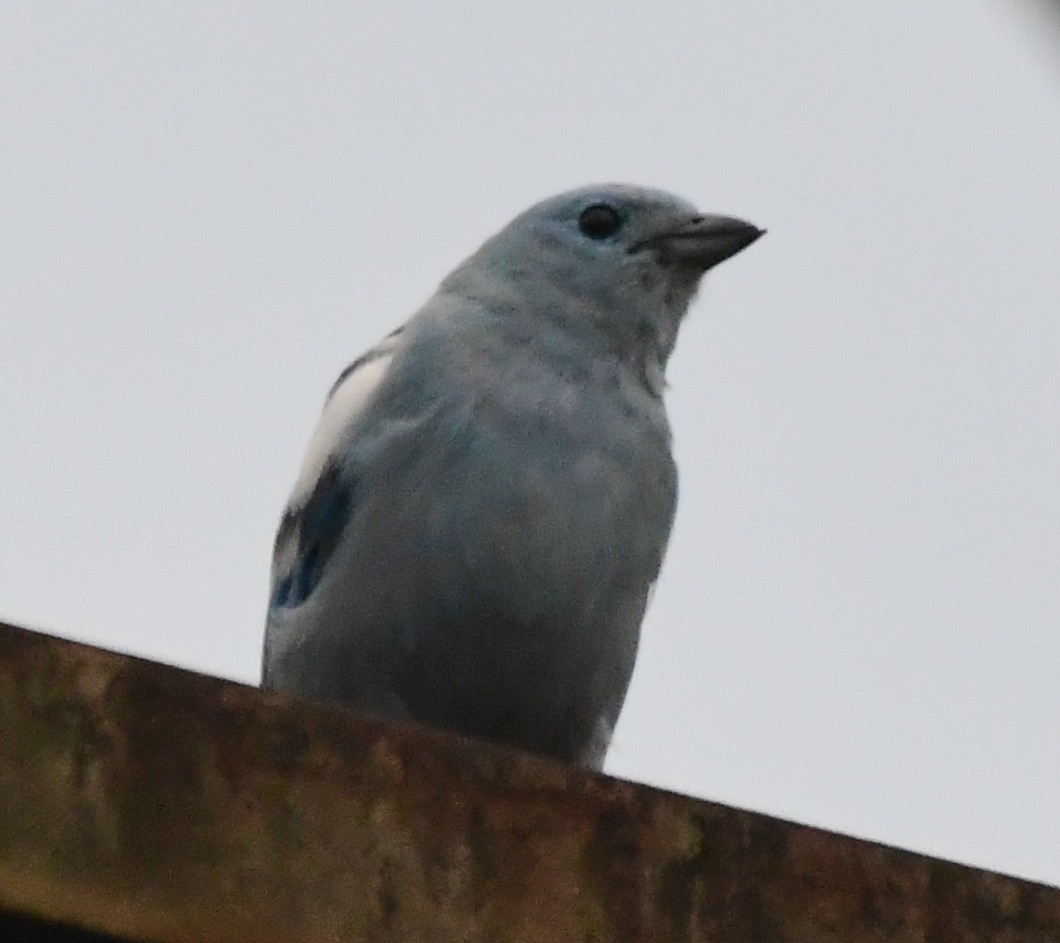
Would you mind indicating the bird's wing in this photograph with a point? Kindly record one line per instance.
(323, 496)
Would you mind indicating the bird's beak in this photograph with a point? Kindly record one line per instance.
(703, 241)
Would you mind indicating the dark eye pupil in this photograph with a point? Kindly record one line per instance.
(599, 221)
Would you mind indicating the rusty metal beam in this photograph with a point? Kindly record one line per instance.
(155, 804)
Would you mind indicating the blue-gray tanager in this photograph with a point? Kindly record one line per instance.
(486, 501)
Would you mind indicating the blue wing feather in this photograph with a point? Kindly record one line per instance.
(316, 528)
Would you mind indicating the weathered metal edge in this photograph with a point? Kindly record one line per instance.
(153, 803)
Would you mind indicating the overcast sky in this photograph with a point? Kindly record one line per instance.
(206, 210)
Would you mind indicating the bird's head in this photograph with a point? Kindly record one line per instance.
(617, 264)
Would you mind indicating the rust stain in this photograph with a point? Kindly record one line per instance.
(156, 804)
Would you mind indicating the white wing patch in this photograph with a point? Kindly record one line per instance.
(348, 397)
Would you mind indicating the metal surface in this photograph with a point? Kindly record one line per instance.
(156, 804)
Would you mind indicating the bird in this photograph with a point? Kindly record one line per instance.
(484, 506)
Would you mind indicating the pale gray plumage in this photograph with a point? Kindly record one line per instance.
(487, 499)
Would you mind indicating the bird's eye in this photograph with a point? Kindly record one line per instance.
(599, 221)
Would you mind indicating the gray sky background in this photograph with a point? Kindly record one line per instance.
(206, 210)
